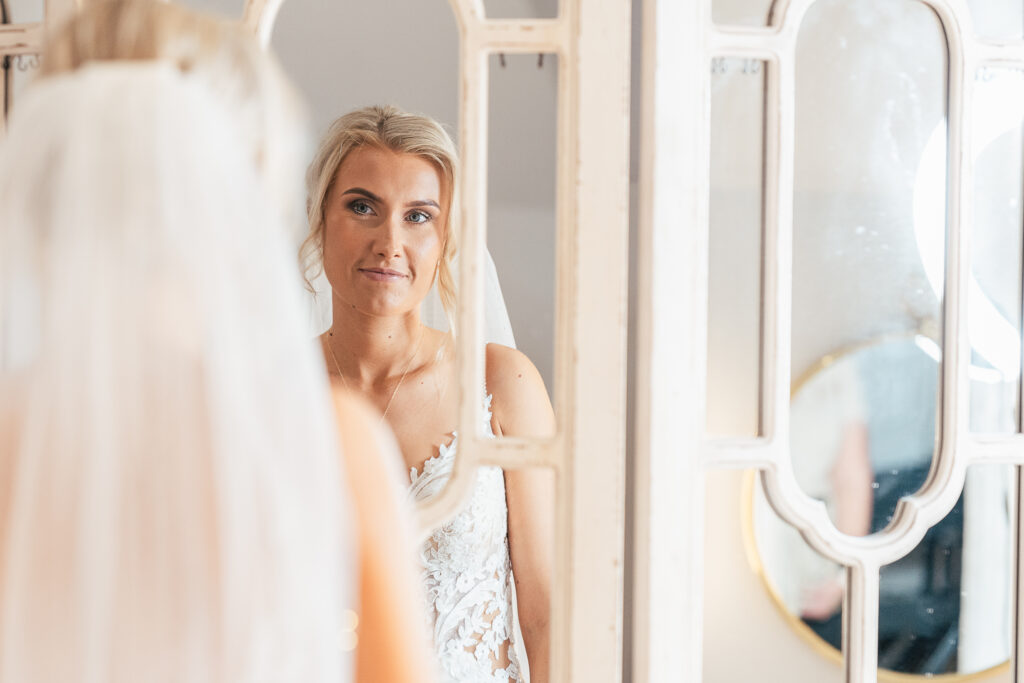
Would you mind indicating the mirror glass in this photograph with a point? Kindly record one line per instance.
(232, 9)
(22, 11)
(521, 188)
(521, 9)
(741, 12)
(868, 232)
(16, 72)
(344, 56)
(734, 262)
(995, 286)
(944, 608)
(997, 19)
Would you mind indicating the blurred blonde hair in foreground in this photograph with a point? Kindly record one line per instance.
(170, 495)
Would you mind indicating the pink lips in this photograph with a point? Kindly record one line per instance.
(382, 274)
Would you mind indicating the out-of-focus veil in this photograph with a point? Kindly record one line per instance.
(170, 494)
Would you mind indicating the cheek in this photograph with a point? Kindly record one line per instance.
(428, 247)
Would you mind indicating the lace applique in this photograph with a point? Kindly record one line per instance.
(466, 573)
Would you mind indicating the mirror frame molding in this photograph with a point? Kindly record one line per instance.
(753, 556)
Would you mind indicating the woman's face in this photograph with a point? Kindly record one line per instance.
(384, 228)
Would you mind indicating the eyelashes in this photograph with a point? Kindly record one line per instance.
(361, 207)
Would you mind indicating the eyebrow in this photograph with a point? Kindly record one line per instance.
(371, 196)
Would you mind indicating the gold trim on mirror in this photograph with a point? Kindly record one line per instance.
(805, 632)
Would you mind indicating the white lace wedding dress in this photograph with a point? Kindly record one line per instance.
(467, 576)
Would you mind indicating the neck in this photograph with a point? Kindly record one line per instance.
(370, 349)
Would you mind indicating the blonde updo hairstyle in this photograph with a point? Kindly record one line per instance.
(389, 128)
(270, 114)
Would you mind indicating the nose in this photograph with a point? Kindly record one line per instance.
(388, 244)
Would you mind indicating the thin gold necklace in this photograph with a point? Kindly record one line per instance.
(401, 379)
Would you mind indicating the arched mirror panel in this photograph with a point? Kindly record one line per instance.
(944, 607)
(870, 89)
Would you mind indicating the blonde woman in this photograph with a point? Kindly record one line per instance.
(381, 190)
(172, 507)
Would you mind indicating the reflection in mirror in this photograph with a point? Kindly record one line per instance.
(22, 11)
(344, 55)
(520, 9)
(232, 9)
(944, 608)
(868, 240)
(384, 235)
(521, 194)
(741, 12)
(734, 268)
(862, 429)
(994, 289)
(997, 19)
(18, 72)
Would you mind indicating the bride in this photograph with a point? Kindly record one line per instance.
(380, 211)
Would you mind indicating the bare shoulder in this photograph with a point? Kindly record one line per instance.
(368, 449)
(520, 401)
(354, 415)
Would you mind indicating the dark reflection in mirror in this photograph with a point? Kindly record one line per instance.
(944, 608)
(734, 262)
(863, 430)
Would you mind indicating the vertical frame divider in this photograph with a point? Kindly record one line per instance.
(596, 125)
(1017, 578)
(860, 624)
(671, 338)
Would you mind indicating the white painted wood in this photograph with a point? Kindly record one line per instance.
(955, 450)
(21, 39)
(591, 363)
(1017, 630)
(671, 334)
(860, 624)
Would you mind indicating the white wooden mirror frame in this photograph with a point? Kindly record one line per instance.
(680, 41)
(587, 454)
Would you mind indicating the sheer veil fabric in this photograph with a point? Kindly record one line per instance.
(171, 504)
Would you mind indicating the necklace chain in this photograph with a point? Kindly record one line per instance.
(408, 365)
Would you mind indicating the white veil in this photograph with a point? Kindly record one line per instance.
(170, 494)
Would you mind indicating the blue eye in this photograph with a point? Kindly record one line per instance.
(418, 217)
(360, 207)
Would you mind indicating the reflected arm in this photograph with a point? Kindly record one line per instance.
(852, 477)
(521, 408)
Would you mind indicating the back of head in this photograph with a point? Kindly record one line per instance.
(248, 79)
(170, 506)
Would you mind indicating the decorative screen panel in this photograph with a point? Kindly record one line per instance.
(936, 288)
